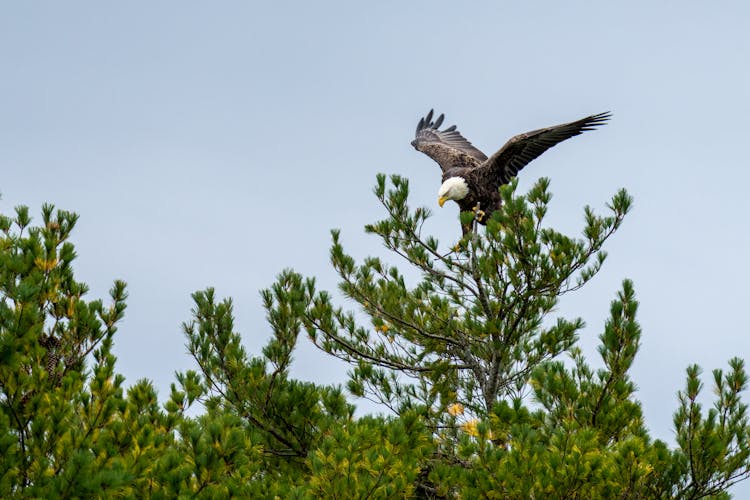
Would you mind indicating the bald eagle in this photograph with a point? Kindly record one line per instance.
(470, 178)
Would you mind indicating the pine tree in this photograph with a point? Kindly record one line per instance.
(309, 444)
(470, 345)
(489, 396)
(472, 329)
(53, 413)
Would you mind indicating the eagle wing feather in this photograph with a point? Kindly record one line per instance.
(447, 147)
(520, 150)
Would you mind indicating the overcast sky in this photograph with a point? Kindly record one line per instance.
(217, 143)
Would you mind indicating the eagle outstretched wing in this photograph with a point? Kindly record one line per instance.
(523, 148)
(447, 147)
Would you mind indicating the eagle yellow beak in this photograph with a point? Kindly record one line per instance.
(442, 201)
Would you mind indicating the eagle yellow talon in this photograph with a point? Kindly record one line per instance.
(479, 212)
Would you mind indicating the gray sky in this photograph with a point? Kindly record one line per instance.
(214, 144)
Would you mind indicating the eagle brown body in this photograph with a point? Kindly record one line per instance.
(483, 176)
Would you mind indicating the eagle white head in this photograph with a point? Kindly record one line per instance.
(454, 188)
